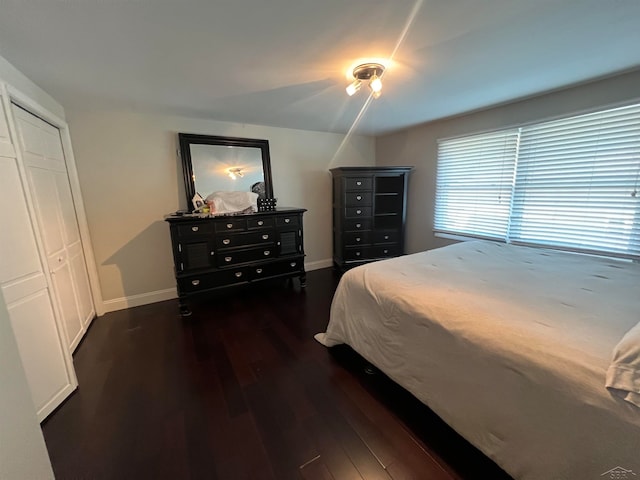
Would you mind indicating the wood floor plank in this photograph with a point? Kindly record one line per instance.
(241, 391)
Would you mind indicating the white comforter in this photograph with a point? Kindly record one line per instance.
(509, 345)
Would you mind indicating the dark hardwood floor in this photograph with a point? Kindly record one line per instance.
(241, 390)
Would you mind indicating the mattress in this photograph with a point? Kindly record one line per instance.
(509, 345)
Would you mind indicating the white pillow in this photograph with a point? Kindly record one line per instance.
(623, 375)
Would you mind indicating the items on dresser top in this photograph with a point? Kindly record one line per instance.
(212, 252)
(369, 210)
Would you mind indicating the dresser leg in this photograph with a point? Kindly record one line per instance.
(183, 305)
(303, 280)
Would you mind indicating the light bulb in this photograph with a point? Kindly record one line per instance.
(375, 84)
(232, 175)
(354, 87)
(376, 94)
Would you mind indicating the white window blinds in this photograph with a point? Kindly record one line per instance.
(474, 184)
(570, 183)
(576, 183)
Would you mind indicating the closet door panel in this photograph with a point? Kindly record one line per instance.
(6, 146)
(81, 283)
(45, 196)
(18, 251)
(67, 210)
(40, 349)
(63, 287)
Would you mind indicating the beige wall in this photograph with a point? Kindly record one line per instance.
(131, 176)
(22, 450)
(417, 145)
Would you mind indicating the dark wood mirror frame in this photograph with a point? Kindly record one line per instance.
(188, 139)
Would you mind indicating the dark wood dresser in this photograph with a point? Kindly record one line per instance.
(216, 252)
(369, 211)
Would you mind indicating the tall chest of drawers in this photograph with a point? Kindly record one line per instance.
(216, 252)
(369, 211)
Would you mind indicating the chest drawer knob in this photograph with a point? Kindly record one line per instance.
(287, 220)
(267, 253)
(212, 253)
(260, 223)
(265, 237)
(258, 271)
(357, 254)
(229, 225)
(358, 212)
(358, 225)
(357, 239)
(359, 183)
(386, 237)
(195, 229)
(227, 259)
(226, 241)
(385, 251)
(293, 264)
(358, 197)
(238, 274)
(195, 283)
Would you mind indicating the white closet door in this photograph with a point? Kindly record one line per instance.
(41, 340)
(49, 184)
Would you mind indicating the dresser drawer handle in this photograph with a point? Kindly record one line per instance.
(293, 264)
(386, 237)
(258, 271)
(265, 237)
(195, 283)
(227, 259)
(358, 212)
(226, 241)
(260, 223)
(358, 225)
(385, 251)
(358, 183)
(229, 225)
(212, 253)
(267, 253)
(238, 274)
(287, 220)
(195, 229)
(357, 254)
(357, 239)
(358, 197)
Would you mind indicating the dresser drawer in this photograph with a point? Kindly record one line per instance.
(383, 251)
(231, 224)
(352, 212)
(286, 221)
(356, 253)
(195, 229)
(357, 224)
(358, 183)
(197, 283)
(241, 256)
(356, 199)
(386, 236)
(357, 238)
(274, 269)
(231, 240)
(266, 222)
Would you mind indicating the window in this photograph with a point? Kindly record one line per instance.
(570, 184)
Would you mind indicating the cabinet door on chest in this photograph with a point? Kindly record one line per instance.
(289, 234)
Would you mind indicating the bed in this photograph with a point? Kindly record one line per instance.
(512, 347)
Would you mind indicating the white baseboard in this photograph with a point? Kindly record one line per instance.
(318, 264)
(140, 299)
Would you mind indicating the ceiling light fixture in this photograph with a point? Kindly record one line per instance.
(370, 72)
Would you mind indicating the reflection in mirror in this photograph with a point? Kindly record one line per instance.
(225, 168)
(225, 164)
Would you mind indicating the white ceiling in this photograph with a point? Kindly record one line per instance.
(284, 62)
